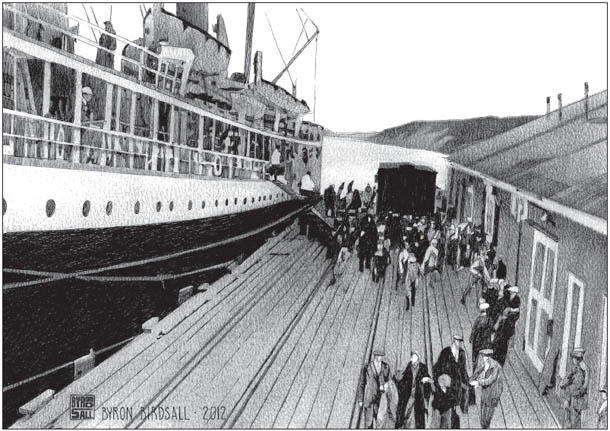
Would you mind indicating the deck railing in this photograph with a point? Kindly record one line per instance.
(143, 64)
(30, 136)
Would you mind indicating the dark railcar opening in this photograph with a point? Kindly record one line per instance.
(406, 189)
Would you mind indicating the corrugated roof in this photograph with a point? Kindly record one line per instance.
(564, 161)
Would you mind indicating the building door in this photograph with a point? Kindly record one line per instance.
(540, 302)
(572, 330)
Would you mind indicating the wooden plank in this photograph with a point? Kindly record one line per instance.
(273, 330)
(295, 389)
(280, 388)
(121, 364)
(286, 361)
(304, 407)
(169, 350)
(323, 400)
(204, 368)
(347, 389)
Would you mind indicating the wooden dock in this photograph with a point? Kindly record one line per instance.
(273, 345)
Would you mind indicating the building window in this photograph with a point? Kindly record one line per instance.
(572, 320)
(171, 205)
(136, 207)
(159, 206)
(190, 205)
(109, 208)
(86, 208)
(203, 204)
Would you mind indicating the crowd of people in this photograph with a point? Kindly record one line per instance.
(424, 247)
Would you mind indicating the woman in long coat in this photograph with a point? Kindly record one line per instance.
(413, 393)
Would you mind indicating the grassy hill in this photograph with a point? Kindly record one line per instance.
(446, 136)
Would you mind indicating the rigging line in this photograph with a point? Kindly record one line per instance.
(59, 367)
(278, 48)
(300, 34)
(161, 258)
(304, 23)
(315, 83)
(89, 20)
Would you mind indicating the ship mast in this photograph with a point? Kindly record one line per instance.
(249, 31)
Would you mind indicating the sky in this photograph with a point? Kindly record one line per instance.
(383, 65)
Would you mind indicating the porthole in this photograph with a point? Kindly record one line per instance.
(245, 201)
(235, 201)
(50, 207)
(109, 208)
(226, 202)
(158, 206)
(86, 208)
(253, 199)
(270, 197)
(136, 207)
(216, 203)
(3, 206)
(203, 204)
(265, 197)
(190, 206)
(171, 206)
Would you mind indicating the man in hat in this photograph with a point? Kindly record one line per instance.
(412, 277)
(375, 381)
(489, 377)
(452, 361)
(105, 58)
(276, 162)
(367, 242)
(480, 337)
(443, 405)
(505, 325)
(430, 263)
(413, 394)
(576, 388)
(403, 257)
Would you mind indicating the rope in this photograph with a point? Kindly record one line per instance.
(279, 50)
(66, 365)
(80, 274)
(161, 277)
(315, 85)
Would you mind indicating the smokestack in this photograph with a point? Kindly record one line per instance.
(258, 67)
(548, 105)
(559, 108)
(193, 13)
(586, 101)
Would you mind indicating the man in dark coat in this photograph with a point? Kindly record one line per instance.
(329, 200)
(505, 325)
(488, 375)
(413, 393)
(105, 58)
(374, 382)
(480, 337)
(367, 242)
(452, 361)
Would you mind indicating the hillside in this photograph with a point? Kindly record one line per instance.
(446, 136)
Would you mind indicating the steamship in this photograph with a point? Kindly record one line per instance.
(120, 151)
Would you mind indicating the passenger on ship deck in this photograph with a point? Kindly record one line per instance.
(480, 337)
(367, 242)
(307, 186)
(488, 376)
(275, 162)
(105, 58)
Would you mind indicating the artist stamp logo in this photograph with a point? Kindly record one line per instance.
(82, 407)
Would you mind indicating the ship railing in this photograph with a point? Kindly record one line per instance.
(32, 137)
(144, 67)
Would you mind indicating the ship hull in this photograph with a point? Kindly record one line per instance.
(67, 241)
